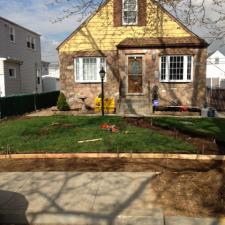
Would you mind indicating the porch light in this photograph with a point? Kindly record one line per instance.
(153, 56)
(102, 75)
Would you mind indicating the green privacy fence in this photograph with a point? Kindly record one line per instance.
(21, 104)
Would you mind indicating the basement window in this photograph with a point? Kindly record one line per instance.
(87, 69)
(130, 12)
(176, 68)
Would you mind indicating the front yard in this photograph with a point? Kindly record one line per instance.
(62, 133)
(202, 127)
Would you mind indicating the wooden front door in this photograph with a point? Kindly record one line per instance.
(135, 74)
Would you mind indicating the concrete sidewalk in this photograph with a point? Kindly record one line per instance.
(83, 198)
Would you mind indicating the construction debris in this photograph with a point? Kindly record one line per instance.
(92, 140)
(109, 127)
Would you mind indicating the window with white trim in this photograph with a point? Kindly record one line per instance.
(87, 69)
(217, 60)
(176, 68)
(33, 43)
(12, 72)
(130, 12)
(12, 34)
(29, 41)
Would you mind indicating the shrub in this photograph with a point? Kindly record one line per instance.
(62, 105)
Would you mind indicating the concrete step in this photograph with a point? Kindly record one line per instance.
(134, 105)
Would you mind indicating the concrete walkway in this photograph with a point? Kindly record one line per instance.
(83, 198)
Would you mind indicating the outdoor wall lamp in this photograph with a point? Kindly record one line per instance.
(153, 56)
(102, 75)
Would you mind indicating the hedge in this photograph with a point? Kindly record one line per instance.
(21, 104)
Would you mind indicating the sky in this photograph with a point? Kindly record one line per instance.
(38, 15)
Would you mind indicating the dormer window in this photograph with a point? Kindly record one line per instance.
(130, 12)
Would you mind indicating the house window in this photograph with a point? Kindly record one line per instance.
(176, 68)
(38, 80)
(87, 69)
(12, 34)
(28, 41)
(33, 43)
(130, 12)
(217, 60)
(12, 72)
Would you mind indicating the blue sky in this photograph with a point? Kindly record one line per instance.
(38, 15)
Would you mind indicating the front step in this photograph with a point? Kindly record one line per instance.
(136, 105)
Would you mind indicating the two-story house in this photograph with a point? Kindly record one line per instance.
(50, 77)
(215, 75)
(147, 55)
(20, 59)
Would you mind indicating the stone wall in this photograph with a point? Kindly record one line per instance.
(74, 90)
(187, 93)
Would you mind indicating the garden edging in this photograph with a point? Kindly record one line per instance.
(113, 155)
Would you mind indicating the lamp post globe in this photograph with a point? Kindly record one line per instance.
(102, 73)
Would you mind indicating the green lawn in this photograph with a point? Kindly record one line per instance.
(204, 127)
(62, 133)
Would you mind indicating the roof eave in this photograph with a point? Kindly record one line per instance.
(163, 46)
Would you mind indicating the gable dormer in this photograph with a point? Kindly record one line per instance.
(130, 13)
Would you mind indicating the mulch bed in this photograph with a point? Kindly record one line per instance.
(200, 194)
(203, 145)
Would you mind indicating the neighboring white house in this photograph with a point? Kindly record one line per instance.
(215, 76)
(50, 77)
(20, 59)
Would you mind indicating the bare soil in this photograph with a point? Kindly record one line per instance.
(199, 194)
(109, 165)
(203, 145)
(184, 187)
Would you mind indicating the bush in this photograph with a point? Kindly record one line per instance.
(62, 105)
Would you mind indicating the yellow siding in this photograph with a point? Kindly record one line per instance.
(100, 34)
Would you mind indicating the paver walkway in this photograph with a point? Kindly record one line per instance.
(82, 198)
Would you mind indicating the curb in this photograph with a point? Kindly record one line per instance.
(114, 155)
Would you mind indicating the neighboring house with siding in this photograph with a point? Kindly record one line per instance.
(215, 75)
(50, 78)
(146, 52)
(20, 59)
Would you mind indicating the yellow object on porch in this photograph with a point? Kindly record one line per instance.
(109, 105)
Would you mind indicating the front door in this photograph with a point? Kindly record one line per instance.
(135, 74)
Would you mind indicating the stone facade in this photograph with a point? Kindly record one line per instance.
(74, 90)
(156, 33)
(187, 93)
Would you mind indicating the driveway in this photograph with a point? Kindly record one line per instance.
(83, 198)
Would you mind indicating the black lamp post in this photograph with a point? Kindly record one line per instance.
(102, 75)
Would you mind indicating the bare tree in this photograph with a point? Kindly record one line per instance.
(207, 14)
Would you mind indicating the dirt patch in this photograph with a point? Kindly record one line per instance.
(184, 187)
(203, 145)
(200, 194)
(108, 165)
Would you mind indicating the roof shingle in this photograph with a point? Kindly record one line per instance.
(162, 42)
